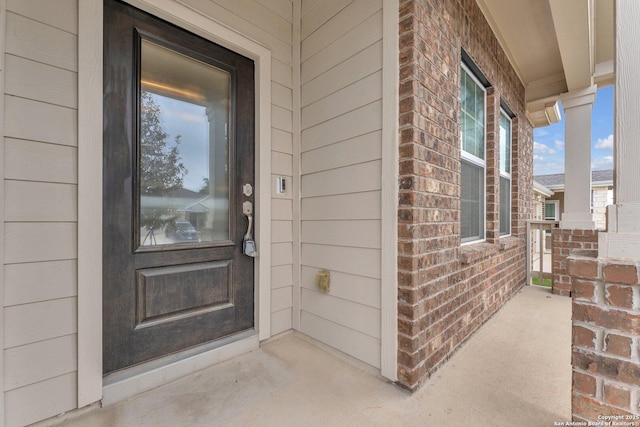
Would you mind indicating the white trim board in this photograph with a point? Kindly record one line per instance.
(389, 193)
(90, 70)
(3, 15)
(297, 158)
(90, 59)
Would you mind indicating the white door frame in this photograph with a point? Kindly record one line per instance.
(90, 71)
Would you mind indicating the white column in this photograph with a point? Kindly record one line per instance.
(623, 218)
(577, 107)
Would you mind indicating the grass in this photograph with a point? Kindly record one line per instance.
(545, 282)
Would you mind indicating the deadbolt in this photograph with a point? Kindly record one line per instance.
(247, 190)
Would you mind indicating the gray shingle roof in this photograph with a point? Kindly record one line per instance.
(557, 179)
(547, 180)
(598, 176)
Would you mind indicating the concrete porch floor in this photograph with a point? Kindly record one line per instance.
(515, 371)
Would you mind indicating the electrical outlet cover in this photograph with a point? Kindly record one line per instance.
(323, 281)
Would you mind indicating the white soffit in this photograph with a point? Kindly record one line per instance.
(555, 46)
(525, 30)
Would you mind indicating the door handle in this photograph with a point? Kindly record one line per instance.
(248, 244)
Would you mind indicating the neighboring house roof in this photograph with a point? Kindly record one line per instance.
(541, 189)
(184, 193)
(556, 181)
(206, 204)
(550, 180)
(602, 176)
(201, 206)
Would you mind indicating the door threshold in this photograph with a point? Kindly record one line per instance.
(124, 384)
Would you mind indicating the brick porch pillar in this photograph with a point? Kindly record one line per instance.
(606, 289)
(606, 330)
(564, 242)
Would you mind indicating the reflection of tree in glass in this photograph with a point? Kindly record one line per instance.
(161, 168)
(205, 186)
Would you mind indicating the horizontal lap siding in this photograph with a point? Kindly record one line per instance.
(41, 195)
(341, 121)
(40, 210)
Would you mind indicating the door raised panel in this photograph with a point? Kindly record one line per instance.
(166, 293)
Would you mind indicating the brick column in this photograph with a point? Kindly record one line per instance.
(606, 337)
(521, 177)
(606, 290)
(565, 241)
(492, 224)
(429, 188)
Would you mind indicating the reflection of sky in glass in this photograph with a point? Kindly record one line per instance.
(189, 121)
(505, 144)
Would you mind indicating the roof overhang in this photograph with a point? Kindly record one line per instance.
(555, 46)
(608, 183)
(541, 189)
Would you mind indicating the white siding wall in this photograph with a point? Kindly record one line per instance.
(341, 76)
(600, 198)
(269, 22)
(40, 205)
(40, 202)
(340, 165)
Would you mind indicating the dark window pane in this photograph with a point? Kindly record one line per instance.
(472, 203)
(505, 206)
(550, 211)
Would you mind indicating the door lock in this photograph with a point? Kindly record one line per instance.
(247, 190)
(247, 208)
(248, 244)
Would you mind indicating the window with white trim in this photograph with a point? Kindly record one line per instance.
(551, 210)
(505, 174)
(472, 157)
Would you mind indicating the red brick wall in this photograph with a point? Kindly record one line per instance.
(564, 241)
(606, 338)
(446, 291)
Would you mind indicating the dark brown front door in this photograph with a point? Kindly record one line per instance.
(178, 155)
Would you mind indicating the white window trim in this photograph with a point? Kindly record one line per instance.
(507, 174)
(464, 155)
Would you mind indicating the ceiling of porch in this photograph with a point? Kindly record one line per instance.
(555, 46)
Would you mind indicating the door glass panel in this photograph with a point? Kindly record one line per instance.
(183, 149)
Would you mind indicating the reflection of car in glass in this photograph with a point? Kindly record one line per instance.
(182, 231)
